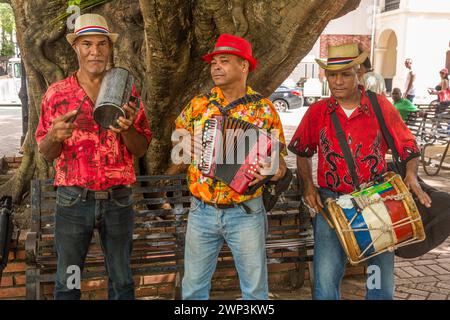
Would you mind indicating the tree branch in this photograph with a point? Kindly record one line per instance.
(240, 21)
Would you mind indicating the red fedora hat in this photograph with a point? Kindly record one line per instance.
(229, 44)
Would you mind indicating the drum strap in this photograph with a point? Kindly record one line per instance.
(387, 136)
(345, 148)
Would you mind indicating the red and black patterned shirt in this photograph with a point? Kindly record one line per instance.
(316, 133)
(93, 158)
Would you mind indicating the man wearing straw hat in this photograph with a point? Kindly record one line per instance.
(94, 166)
(316, 133)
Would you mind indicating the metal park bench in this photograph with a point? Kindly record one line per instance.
(431, 127)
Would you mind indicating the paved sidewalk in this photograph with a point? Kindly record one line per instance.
(10, 130)
(425, 278)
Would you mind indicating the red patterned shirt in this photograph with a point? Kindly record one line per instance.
(93, 157)
(364, 137)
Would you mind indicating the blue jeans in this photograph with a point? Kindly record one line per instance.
(75, 221)
(245, 234)
(330, 261)
(410, 97)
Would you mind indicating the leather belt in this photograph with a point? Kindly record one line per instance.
(111, 193)
(225, 205)
(218, 205)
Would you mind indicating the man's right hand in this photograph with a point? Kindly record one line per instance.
(311, 197)
(62, 127)
(192, 146)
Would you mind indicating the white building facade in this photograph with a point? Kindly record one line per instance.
(355, 26)
(416, 29)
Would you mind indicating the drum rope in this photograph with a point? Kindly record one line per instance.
(401, 223)
(364, 201)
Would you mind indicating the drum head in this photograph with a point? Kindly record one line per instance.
(107, 114)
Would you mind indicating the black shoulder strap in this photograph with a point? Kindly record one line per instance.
(387, 135)
(345, 148)
(244, 100)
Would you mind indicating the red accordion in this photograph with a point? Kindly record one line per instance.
(232, 150)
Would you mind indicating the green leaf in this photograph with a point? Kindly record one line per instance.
(7, 25)
(74, 3)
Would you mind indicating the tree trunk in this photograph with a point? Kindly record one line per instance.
(161, 43)
(23, 96)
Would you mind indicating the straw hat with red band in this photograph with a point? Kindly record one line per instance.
(343, 57)
(91, 24)
(230, 44)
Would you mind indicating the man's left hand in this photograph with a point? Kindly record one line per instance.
(413, 184)
(126, 123)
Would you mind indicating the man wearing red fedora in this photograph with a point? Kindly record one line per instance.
(351, 108)
(94, 166)
(218, 213)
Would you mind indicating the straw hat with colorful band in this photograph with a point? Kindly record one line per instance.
(230, 44)
(343, 57)
(91, 24)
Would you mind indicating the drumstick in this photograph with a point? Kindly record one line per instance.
(321, 211)
(327, 219)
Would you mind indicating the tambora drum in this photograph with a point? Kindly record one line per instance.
(381, 217)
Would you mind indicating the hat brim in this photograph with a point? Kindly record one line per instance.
(358, 60)
(71, 37)
(252, 61)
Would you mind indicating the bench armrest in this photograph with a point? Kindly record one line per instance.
(31, 247)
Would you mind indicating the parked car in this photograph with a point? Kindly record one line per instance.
(311, 89)
(286, 98)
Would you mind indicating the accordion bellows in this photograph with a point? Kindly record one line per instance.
(233, 149)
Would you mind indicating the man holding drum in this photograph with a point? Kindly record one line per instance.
(94, 166)
(317, 133)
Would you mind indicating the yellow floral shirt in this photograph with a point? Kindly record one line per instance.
(261, 113)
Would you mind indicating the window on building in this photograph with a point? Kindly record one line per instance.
(390, 5)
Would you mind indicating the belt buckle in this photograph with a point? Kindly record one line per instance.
(101, 195)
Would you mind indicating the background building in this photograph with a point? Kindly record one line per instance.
(356, 26)
(414, 29)
(399, 29)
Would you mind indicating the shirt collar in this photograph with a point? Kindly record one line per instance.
(217, 94)
(363, 107)
(75, 84)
